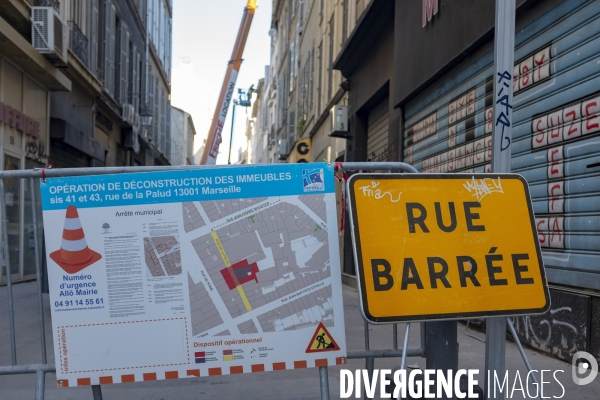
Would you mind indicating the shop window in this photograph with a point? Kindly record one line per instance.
(12, 199)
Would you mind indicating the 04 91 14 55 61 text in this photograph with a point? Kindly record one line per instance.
(79, 302)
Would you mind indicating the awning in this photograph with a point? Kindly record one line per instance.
(61, 129)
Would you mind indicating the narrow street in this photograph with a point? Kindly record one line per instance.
(292, 384)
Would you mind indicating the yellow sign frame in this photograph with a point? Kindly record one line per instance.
(445, 246)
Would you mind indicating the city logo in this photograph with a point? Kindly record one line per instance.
(105, 227)
(74, 253)
(583, 363)
(313, 180)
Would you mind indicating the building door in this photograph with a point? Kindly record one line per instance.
(378, 123)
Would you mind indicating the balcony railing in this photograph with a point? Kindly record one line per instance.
(49, 3)
(79, 44)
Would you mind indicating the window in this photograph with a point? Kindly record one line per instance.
(131, 90)
(280, 110)
(122, 82)
(330, 72)
(77, 20)
(135, 73)
(140, 7)
(292, 59)
(95, 36)
(344, 22)
(78, 15)
(288, 87)
(163, 122)
(155, 130)
(156, 25)
(110, 47)
(360, 5)
(312, 84)
(322, 9)
(302, 92)
(320, 81)
(301, 15)
(168, 132)
(291, 134)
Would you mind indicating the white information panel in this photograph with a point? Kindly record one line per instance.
(165, 275)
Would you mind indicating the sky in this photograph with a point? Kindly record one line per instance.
(204, 33)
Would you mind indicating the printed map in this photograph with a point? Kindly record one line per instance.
(261, 264)
(162, 255)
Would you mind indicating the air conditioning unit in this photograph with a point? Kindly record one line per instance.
(128, 114)
(283, 149)
(339, 122)
(49, 34)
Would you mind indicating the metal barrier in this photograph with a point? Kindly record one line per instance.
(367, 354)
(41, 369)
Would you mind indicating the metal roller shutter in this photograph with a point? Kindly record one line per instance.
(378, 123)
(555, 134)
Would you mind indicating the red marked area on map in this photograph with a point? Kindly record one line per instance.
(239, 273)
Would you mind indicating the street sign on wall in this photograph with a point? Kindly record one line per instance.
(445, 246)
(164, 275)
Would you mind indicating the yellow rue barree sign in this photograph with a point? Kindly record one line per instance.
(445, 246)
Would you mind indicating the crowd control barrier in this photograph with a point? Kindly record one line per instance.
(32, 177)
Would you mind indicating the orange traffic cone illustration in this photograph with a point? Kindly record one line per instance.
(74, 254)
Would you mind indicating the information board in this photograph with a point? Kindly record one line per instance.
(165, 275)
(445, 246)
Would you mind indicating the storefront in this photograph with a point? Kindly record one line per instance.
(24, 108)
(446, 96)
(366, 61)
(433, 68)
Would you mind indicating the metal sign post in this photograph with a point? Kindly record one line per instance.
(504, 45)
(48, 175)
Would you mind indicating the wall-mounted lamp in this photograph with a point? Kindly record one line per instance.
(146, 117)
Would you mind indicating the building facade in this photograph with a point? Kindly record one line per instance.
(300, 85)
(257, 142)
(73, 85)
(119, 60)
(429, 68)
(27, 79)
(182, 138)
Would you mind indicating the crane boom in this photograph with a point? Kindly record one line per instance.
(211, 149)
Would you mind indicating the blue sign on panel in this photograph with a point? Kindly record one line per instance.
(186, 185)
